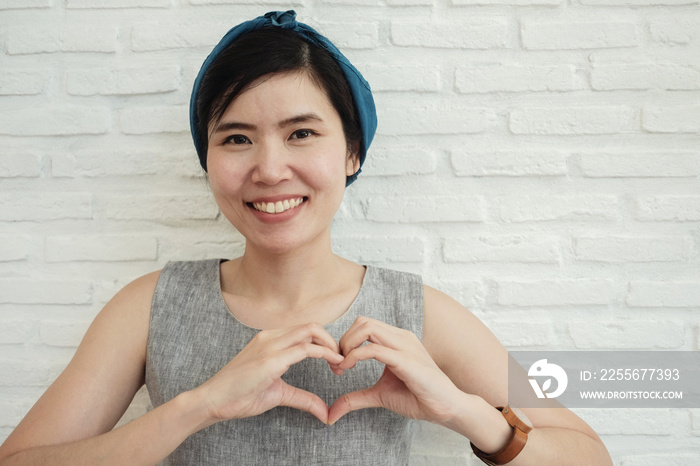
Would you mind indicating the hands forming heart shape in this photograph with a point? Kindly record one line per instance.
(412, 384)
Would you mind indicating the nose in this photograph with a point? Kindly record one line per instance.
(271, 164)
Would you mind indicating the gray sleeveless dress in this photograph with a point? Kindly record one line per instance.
(193, 335)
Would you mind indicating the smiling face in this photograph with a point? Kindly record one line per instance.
(278, 161)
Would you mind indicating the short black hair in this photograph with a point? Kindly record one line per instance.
(268, 51)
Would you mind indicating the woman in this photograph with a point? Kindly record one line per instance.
(243, 358)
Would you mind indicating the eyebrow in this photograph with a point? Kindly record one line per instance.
(234, 125)
(299, 119)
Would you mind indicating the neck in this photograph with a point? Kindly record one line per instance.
(286, 282)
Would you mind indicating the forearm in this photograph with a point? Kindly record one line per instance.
(144, 441)
(548, 445)
(488, 430)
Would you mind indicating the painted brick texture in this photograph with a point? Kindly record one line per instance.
(538, 160)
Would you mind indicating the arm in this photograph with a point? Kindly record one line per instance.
(455, 378)
(71, 423)
(144, 441)
(476, 362)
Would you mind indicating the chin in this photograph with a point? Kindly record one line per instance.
(276, 246)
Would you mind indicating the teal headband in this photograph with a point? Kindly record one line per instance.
(359, 88)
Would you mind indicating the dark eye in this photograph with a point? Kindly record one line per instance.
(301, 134)
(237, 139)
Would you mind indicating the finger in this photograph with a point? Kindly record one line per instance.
(411, 371)
(336, 369)
(367, 398)
(287, 357)
(312, 332)
(357, 333)
(387, 356)
(369, 330)
(305, 401)
(420, 376)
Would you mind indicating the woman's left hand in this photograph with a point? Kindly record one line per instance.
(412, 384)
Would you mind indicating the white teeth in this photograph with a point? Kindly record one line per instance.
(277, 207)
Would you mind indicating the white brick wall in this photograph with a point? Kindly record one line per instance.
(536, 159)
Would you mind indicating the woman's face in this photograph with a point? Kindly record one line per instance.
(277, 162)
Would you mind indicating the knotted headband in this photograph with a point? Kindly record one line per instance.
(359, 88)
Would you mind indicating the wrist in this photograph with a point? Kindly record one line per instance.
(194, 410)
(481, 423)
(492, 432)
(520, 427)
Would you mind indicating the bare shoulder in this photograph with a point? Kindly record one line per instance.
(136, 297)
(463, 346)
(471, 355)
(97, 386)
(123, 323)
(444, 316)
(125, 317)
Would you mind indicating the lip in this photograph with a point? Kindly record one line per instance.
(280, 197)
(266, 217)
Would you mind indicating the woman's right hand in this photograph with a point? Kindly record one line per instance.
(251, 383)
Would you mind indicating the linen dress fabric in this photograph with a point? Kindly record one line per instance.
(193, 335)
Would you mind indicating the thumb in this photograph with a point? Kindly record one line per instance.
(367, 398)
(302, 400)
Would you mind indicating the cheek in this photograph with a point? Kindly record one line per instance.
(329, 167)
(224, 179)
(323, 175)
